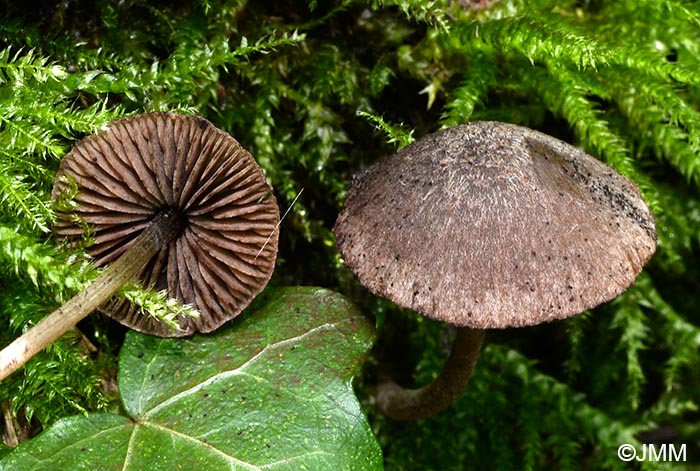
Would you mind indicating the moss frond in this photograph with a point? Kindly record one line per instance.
(432, 12)
(544, 38)
(18, 197)
(634, 338)
(157, 304)
(616, 78)
(472, 91)
(395, 134)
(39, 264)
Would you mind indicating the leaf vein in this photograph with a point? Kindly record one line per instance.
(208, 446)
(241, 369)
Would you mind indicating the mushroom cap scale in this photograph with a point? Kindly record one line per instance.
(492, 225)
(143, 165)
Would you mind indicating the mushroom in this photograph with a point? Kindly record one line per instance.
(490, 225)
(174, 202)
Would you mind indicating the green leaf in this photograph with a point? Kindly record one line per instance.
(272, 391)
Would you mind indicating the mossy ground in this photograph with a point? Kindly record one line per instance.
(317, 91)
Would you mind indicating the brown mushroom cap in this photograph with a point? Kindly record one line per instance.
(143, 165)
(492, 225)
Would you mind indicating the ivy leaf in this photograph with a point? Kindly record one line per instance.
(270, 392)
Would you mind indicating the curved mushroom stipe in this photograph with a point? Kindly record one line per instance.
(144, 164)
(413, 404)
(492, 225)
(170, 200)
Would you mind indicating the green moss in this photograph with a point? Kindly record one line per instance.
(317, 91)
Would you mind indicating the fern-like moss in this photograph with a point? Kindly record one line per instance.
(287, 80)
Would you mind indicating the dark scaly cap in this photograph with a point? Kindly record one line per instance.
(139, 166)
(492, 225)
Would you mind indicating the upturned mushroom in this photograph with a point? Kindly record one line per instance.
(490, 225)
(174, 202)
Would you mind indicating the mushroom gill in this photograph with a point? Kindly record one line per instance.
(225, 250)
(168, 200)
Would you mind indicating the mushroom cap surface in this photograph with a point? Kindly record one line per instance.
(493, 225)
(124, 175)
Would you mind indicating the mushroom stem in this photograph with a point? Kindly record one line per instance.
(159, 232)
(408, 404)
